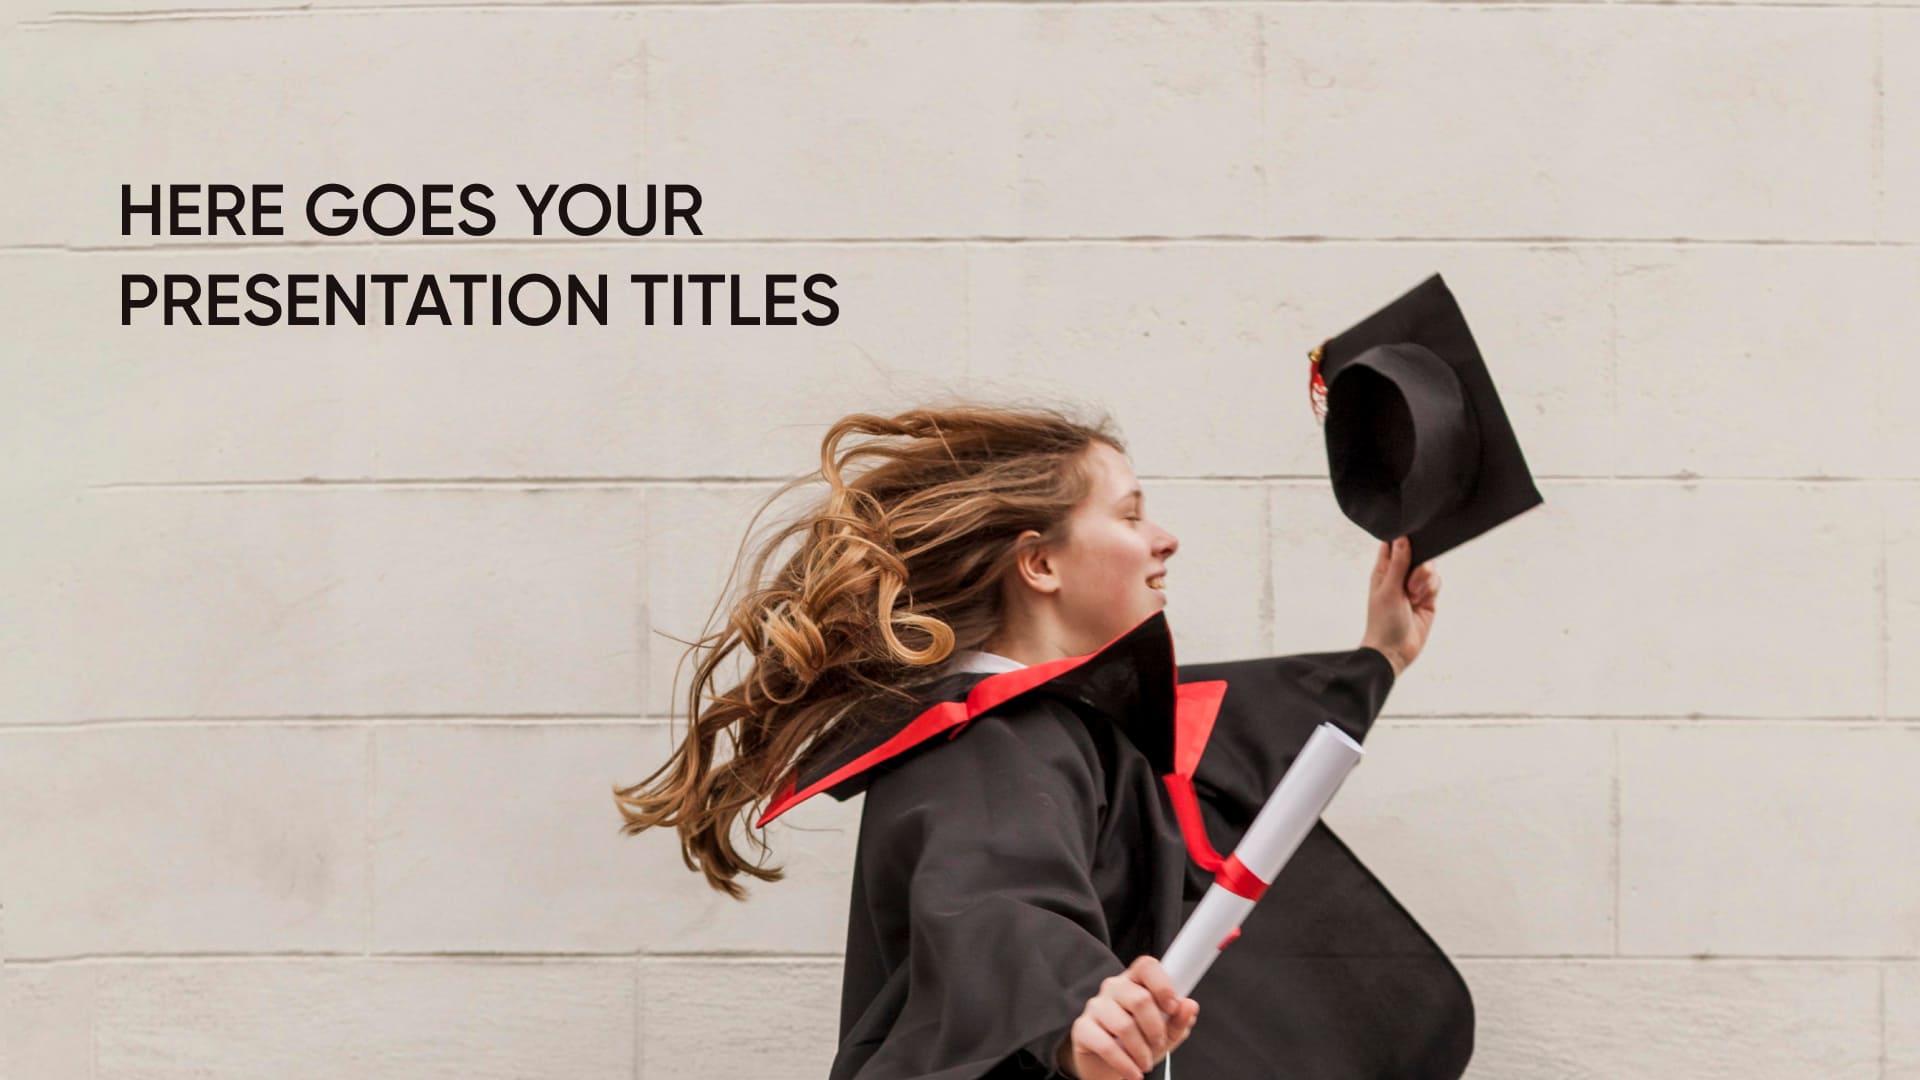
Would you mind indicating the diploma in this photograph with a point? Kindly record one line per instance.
(1296, 803)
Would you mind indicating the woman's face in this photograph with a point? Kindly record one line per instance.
(1112, 568)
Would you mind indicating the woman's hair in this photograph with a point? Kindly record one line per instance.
(899, 564)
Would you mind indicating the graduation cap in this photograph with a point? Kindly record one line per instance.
(1417, 443)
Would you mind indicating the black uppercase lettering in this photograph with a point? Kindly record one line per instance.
(593, 227)
(706, 283)
(295, 298)
(553, 299)
(429, 208)
(179, 209)
(539, 209)
(128, 208)
(183, 303)
(473, 197)
(172, 213)
(355, 302)
(692, 207)
(230, 211)
(466, 283)
(626, 221)
(406, 205)
(648, 281)
(428, 301)
(386, 283)
(832, 308)
(128, 301)
(775, 298)
(733, 287)
(263, 209)
(345, 217)
(217, 297)
(260, 290)
(595, 301)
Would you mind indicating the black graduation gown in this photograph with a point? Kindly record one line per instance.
(1022, 839)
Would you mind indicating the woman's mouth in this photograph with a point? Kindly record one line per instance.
(1157, 581)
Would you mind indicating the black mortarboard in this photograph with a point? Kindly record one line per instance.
(1417, 443)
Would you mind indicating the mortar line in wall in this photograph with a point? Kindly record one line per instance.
(191, 14)
(742, 956)
(578, 243)
(398, 957)
(1879, 962)
(307, 720)
(615, 483)
(1483, 719)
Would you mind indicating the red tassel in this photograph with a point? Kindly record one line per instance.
(1316, 386)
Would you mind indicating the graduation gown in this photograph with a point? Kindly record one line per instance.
(1027, 834)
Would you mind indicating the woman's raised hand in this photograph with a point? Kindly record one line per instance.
(1134, 1021)
(1400, 605)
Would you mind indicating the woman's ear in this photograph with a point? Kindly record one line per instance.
(1033, 564)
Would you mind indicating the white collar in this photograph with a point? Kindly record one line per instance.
(976, 660)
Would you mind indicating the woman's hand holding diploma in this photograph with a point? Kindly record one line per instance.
(1400, 605)
(1129, 1026)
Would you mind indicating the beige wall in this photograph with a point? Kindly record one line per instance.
(322, 648)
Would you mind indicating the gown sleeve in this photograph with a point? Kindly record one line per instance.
(976, 863)
(1271, 706)
(1331, 976)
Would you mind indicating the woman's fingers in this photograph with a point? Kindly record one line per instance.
(1120, 1024)
(1092, 1041)
(1150, 998)
(1146, 971)
(1147, 1017)
(1183, 1018)
(1423, 582)
(1429, 591)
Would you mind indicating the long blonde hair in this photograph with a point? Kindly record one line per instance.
(899, 564)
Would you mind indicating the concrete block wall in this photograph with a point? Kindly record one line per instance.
(323, 648)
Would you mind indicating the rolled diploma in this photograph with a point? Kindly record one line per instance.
(1296, 803)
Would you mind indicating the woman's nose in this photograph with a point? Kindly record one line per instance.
(1169, 544)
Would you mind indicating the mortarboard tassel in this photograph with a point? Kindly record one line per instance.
(1316, 386)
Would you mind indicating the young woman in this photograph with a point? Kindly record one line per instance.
(967, 630)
